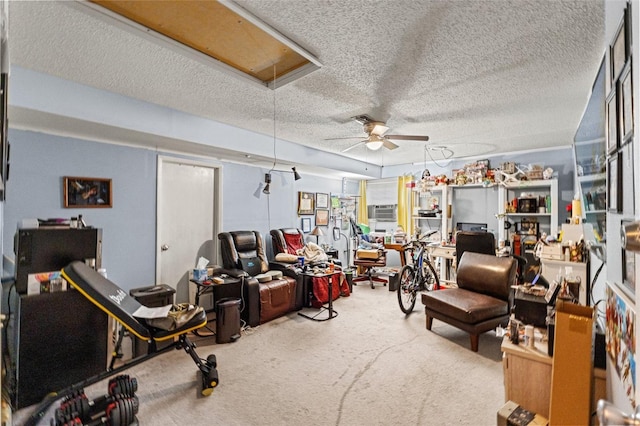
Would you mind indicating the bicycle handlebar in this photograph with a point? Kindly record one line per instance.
(420, 239)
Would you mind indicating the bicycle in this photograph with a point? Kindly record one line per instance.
(418, 276)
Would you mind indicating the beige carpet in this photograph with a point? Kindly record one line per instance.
(371, 365)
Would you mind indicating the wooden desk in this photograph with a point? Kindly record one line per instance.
(399, 247)
(527, 377)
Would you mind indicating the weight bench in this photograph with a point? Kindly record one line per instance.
(116, 303)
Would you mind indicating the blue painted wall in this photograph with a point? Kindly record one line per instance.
(39, 161)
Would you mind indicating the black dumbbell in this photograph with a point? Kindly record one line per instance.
(123, 385)
(122, 412)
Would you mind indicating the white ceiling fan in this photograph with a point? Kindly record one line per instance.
(376, 137)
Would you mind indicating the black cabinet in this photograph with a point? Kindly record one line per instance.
(56, 340)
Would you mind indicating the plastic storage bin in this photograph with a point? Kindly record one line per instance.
(151, 297)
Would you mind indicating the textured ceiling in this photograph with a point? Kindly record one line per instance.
(478, 76)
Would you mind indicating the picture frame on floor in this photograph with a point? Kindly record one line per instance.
(87, 192)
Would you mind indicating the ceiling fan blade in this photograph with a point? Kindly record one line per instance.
(353, 146)
(342, 139)
(408, 138)
(379, 129)
(388, 144)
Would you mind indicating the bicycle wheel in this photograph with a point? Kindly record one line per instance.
(407, 289)
(429, 276)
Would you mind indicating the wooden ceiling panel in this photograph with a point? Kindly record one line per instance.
(214, 30)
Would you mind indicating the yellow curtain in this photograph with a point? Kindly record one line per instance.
(405, 204)
(363, 215)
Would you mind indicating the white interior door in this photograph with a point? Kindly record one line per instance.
(188, 220)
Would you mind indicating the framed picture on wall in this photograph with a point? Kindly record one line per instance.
(322, 200)
(305, 203)
(613, 184)
(612, 122)
(322, 217)
(619, 50)
(626, 105)
(628, 266)
(626, 165)
(80, 192)
(306, 224)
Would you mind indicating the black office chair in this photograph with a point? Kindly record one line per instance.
(474, 241)
(484, 242)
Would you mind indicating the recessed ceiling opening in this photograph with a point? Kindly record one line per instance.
(224, 31)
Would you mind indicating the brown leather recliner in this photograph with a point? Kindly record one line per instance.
(243, 255)
(482, 300)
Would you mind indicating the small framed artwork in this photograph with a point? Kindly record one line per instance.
(306, 224)
(613, 184)
(628, 266)
(322, 200)
(612, 122)
(625, 164)
(80, 192)
(322, 217)
(626, 105)
(619, 50)
(305, 203)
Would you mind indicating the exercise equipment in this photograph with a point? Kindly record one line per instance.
(116, 303)
(118, 407)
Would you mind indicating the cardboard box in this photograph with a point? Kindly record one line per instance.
(511, 414)
(572, 371)
(367, 254)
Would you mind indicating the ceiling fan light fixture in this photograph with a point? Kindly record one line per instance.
(374, 145)
(374, 142)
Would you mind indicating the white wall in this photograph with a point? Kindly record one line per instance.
(614, 10)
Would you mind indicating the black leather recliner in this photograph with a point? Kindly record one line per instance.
(243, 256)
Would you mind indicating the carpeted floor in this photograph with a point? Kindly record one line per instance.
(370, 365)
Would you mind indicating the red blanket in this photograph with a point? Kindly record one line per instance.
(339, 287)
